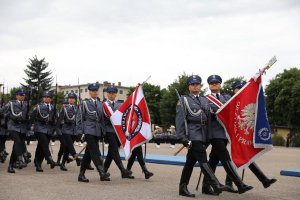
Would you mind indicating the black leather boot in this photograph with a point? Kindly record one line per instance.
(51, 162)
(206, 188)
(130, 176)
(261, 176)
(104, 176)
(77, 159)
(21, 162)
(183, 191)
(231, 172)
(229, 186)
(81, 176)
(146, 172)
(10, 168)
(124, 172)
(89, 167)
(39, 167)
(184, 181)
(211, 179)
(63, 167)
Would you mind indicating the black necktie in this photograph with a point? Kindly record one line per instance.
(113, 104)
(218, 96)
(21, 102)
(48, 107)
(197, 97)
(73, 108)
(96, 104)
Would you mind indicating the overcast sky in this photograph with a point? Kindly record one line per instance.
(129, 40)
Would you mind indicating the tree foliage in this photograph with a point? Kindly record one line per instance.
(38, 77)
(153, 96)
(283, 98)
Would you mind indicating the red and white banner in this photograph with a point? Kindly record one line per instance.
(132, 122)
(245, 121)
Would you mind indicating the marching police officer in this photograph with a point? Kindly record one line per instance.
(43, 117)
(16, 111)
(218, 140)
(111, 136)
(62, 147)
(195, 110)
(236, 86)
(90, 121)
(67, 117)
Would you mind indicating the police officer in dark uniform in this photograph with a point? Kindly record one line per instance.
(218, 140)
(195, 110)
(236, 86)
(16, 111)
(62, 147)
(90, 121)
(67, 117)
(111, 136)
(43, 117)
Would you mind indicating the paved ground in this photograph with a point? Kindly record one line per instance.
(54, 184)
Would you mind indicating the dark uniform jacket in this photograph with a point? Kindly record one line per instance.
(108, 125)
(217, 130)
(197, 116)
(90, 119)
(66, 122)
(43, 119)
(16, 115)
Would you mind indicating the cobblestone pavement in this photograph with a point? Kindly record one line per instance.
(52, 184)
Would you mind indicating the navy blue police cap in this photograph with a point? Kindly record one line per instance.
(214, 79)
(94, 86)
(47, 94)
(65, 101)
(238, 84)
(194, 79)
(72, 95)
(20, 92)
(112, 88)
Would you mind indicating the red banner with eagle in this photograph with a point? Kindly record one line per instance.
(245, 121)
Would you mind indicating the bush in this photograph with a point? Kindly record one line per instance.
(278, 140)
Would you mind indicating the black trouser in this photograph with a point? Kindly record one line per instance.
(136, 153)
(23, 143)
(113, 150)
(92, 152)
(197, 152)
(42, 149)
(62, 147)
(218, 153)
(69, 140)
(17, 149)
(2, 142)
(69, 147)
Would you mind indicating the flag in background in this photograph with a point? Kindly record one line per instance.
(245, 121)
(132, 122)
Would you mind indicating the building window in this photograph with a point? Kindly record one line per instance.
(85, 90)
(80, 90)
(121, 92)
(76, 91)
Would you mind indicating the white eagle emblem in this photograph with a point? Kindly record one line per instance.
(247, 118)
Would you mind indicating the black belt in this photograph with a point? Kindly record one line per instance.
(204, 123)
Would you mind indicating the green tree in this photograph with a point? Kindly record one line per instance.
(283, 98)
(38, 77)
(152, 95)
(169, 99)
(226, 89)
